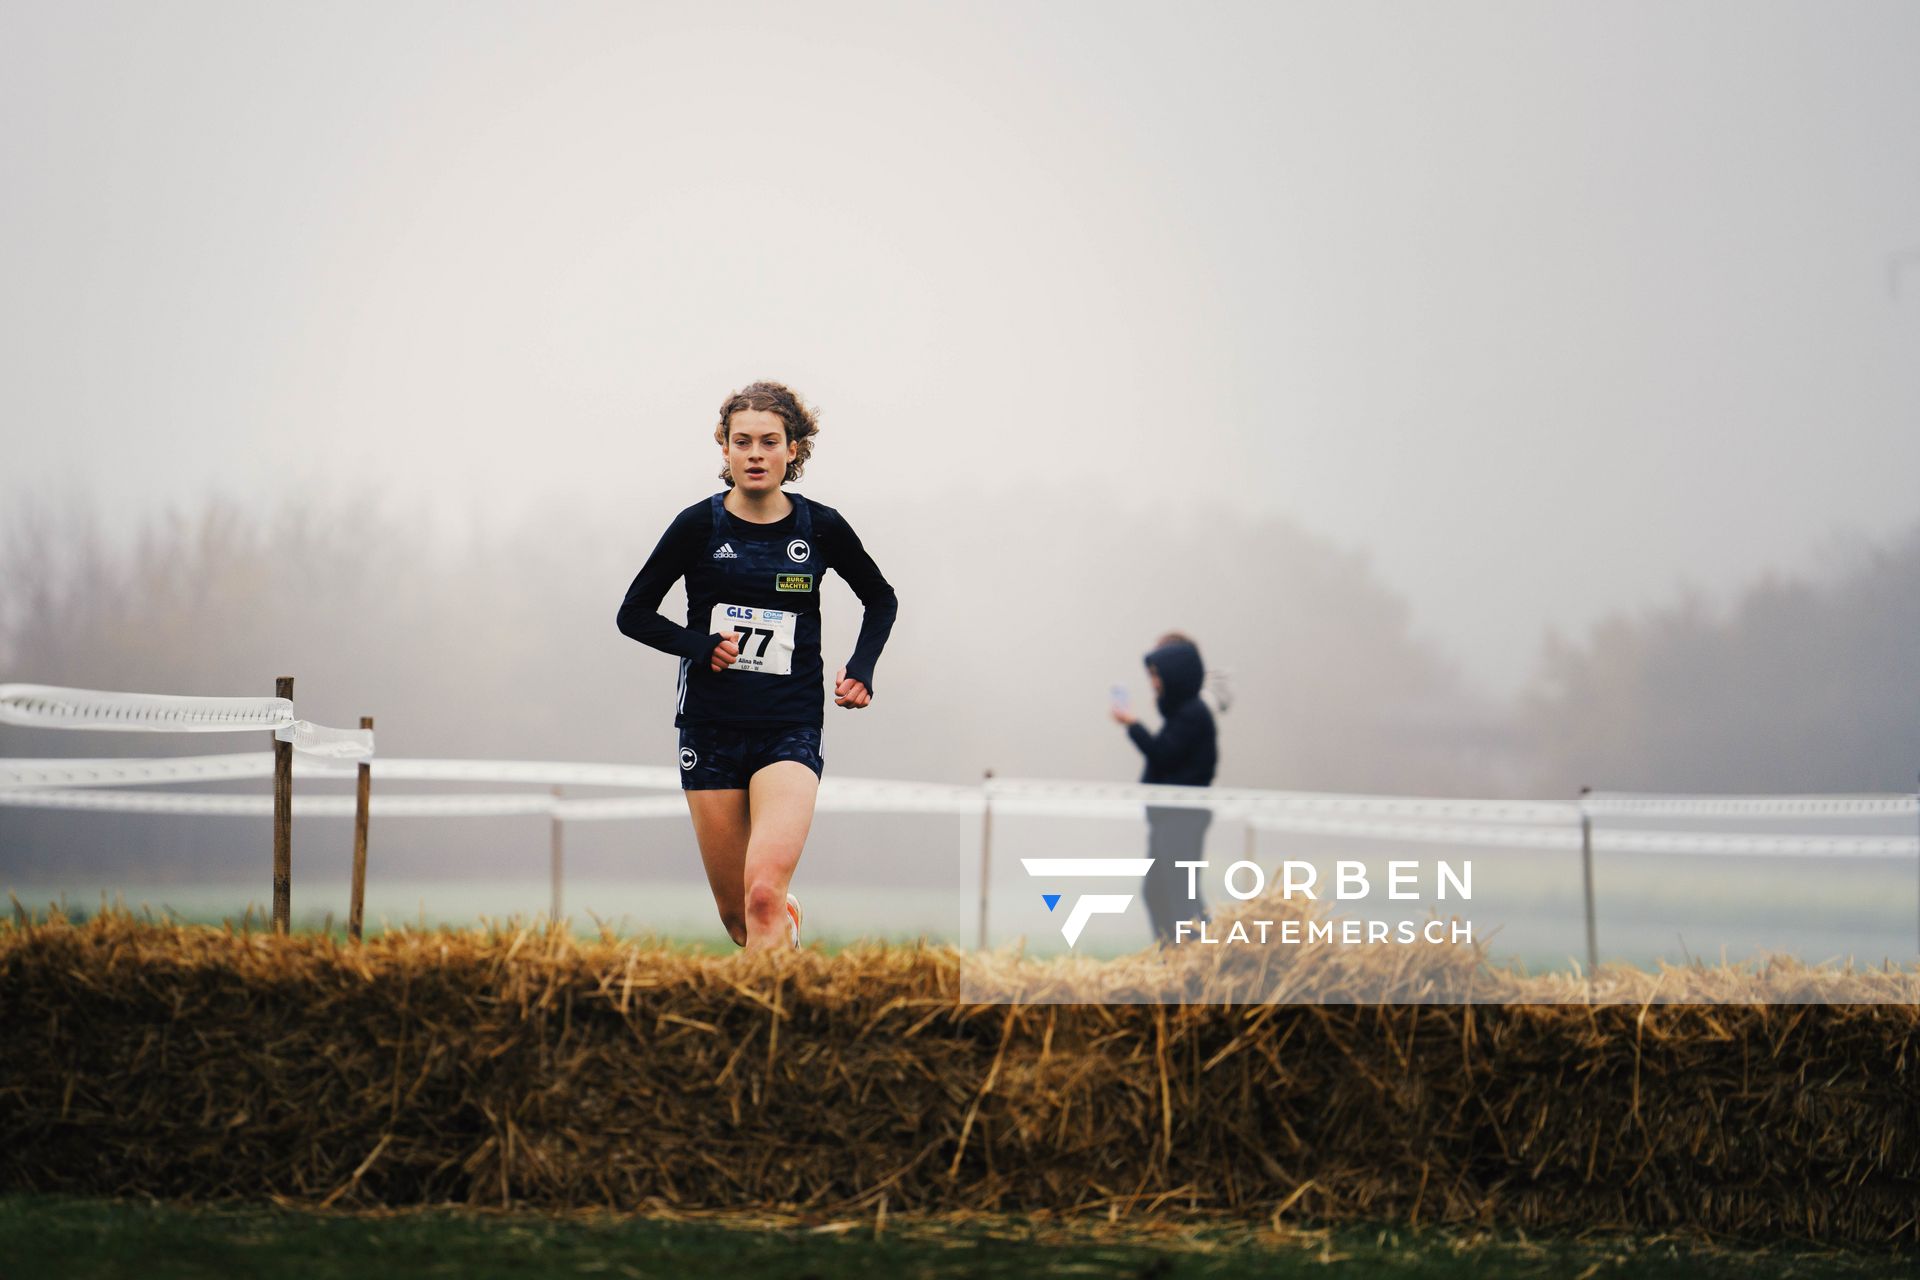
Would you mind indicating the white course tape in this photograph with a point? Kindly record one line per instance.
(1512, 837)
(48, 706)
(843, 794)
(615, 808)
(1437, 808)
(1629, 804)
(127, 772)
(259, 764)
(550, 773)
(530, 772)
(842, 799)
(1050, 797)
(1689, 842)
(45, 706)
(1604, 841)
(331, 744)
(303, 806)
(880, 795)
(68, 784)
(1124, 800)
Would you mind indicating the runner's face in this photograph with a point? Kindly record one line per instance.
(757, 450)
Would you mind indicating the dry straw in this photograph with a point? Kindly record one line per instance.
(525, 1067)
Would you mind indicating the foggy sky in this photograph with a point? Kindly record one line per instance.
(1547, 308)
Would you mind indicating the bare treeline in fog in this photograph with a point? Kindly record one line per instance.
(1801, 685)
(503, 644)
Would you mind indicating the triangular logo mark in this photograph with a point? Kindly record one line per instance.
(1051, 899)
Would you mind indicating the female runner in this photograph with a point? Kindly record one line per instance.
(750, 689)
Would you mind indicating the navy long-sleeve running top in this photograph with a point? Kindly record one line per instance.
(1186, 750)
(769, 575)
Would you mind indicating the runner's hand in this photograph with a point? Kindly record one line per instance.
(1123, 715)
(727, 652)
(850, 694)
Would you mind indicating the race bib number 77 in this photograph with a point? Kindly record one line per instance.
(766, 636)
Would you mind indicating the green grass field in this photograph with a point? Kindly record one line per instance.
(55, 1236)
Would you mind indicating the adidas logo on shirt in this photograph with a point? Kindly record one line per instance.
(726, 552)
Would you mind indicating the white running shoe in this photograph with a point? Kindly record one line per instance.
(793, 915)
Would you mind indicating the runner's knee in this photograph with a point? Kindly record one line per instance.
(765, 902)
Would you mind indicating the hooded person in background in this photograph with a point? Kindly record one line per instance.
(1184, 753)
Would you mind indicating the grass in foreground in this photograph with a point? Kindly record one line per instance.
(585, 926)
(60, 1236)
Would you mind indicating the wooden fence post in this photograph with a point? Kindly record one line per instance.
(282, 820)
(362, 795)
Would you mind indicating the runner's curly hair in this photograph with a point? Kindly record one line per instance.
(772, 397)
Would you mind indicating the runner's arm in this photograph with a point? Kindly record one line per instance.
(851, 561)
(1179, 738)
(640, 617)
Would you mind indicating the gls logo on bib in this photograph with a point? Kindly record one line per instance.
(767, 637)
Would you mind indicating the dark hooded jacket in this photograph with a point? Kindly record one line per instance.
(1185, 751)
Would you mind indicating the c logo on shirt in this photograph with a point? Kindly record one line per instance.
(798, 551)
(688, 757)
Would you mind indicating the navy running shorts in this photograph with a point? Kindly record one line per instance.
(720, 757)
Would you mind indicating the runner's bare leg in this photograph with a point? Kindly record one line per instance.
(720, 825)
(780, 800)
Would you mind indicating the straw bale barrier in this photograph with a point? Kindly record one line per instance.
(530, 1068)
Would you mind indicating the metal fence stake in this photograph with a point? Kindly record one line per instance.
(1586, 876)
(362, 800)
(559, 857)
(986, 853)
(282, 820)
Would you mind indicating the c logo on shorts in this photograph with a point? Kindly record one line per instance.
(688, 757)
(798, 551)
